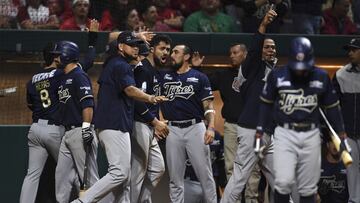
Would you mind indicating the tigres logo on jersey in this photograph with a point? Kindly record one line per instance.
(64, 94)
(294, 100)
(175, 89)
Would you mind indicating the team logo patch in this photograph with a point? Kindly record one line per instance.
(167, 77)
(64, 94)
(281, 82)
(175, 89)
(69, 81)
(300, 56)
(294, 100)
(192, 79)
(330, 184)
(316, 84)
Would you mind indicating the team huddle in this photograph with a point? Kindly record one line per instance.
(279, 118)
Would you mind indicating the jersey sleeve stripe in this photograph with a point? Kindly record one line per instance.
(332, 105)
(266, 100)
(209, 97)
(87, 96)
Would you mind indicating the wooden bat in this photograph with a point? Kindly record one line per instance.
(345, 156)
(84, 184)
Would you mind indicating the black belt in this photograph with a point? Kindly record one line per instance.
(70, 127)
(184, 123)
(299, 127)
(45, 121)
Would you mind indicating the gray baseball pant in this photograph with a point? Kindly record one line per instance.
(147, 163)
(353, 172)
(71, 162)
(43, 139)
(189, 140)
(116, 182)
(193, 192)
(230, 148)
(297, 160)
(244, 163)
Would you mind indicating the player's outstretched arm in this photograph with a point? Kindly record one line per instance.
(139, 95)
(210, 120)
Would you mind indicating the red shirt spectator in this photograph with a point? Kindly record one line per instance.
(150, 15)
(79, 20)
(171, 17)
(131, 20)
(186, 7)
(8, 13)
(336, 20)
(59, 9)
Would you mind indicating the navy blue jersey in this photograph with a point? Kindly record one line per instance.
(298, 101)
(75, 94)
(115, 110)
(42, 97)
(185, 92)
(332, 186)
(147, 79)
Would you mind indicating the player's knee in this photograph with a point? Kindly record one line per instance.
(119, 174)
(283, 185)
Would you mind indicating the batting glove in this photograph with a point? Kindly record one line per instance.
(87, 133)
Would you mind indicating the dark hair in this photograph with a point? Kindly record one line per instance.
(160, 38)
(242, 46)
(144, 7)
(188, 50)
(47, 55)
(119, 14)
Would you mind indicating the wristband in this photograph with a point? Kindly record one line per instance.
(85, 125)
(209, 111)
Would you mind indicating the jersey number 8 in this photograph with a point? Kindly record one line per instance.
(44, 96)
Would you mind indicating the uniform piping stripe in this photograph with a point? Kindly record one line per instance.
(266, 100)
(145, 112)
(209, 97)
(87, 96)
(332, 105)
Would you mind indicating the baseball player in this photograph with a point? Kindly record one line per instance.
(296, 92)
(114, 120)
(259, 62)
(76, 111)
(190, 102)
(347, 84)
(45, 133)
(147, 162)
(42, 99)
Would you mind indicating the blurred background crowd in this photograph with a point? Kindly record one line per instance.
(335, 17)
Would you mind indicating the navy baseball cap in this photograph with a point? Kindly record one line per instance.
(354, 44)
(128, 38)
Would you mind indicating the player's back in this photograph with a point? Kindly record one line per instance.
(42, 97)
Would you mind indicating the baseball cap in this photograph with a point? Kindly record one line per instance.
(77, 1)
(143, 49)
(354, 43)
(128, 38)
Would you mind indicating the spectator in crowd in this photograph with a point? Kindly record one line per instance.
(332, 187)
(306, 16)
(59, 9)
(186, 7)
(80, 19)
(355, 5)
(171, 17)
(255, 11)
(150, 16)
(347, 84)
(336, 20)
(113, 19)
(114, 16)
(8, 12)
(36, 16)
(209, 19)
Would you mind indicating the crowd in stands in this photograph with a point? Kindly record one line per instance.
(294, 16)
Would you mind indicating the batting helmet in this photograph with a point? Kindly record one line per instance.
(301, 54)
(69, 52)
(49, 53)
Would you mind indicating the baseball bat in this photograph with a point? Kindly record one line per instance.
(84, 184)
(345, 156)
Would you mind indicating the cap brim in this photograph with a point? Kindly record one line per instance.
(134, 42)
(349, 46)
